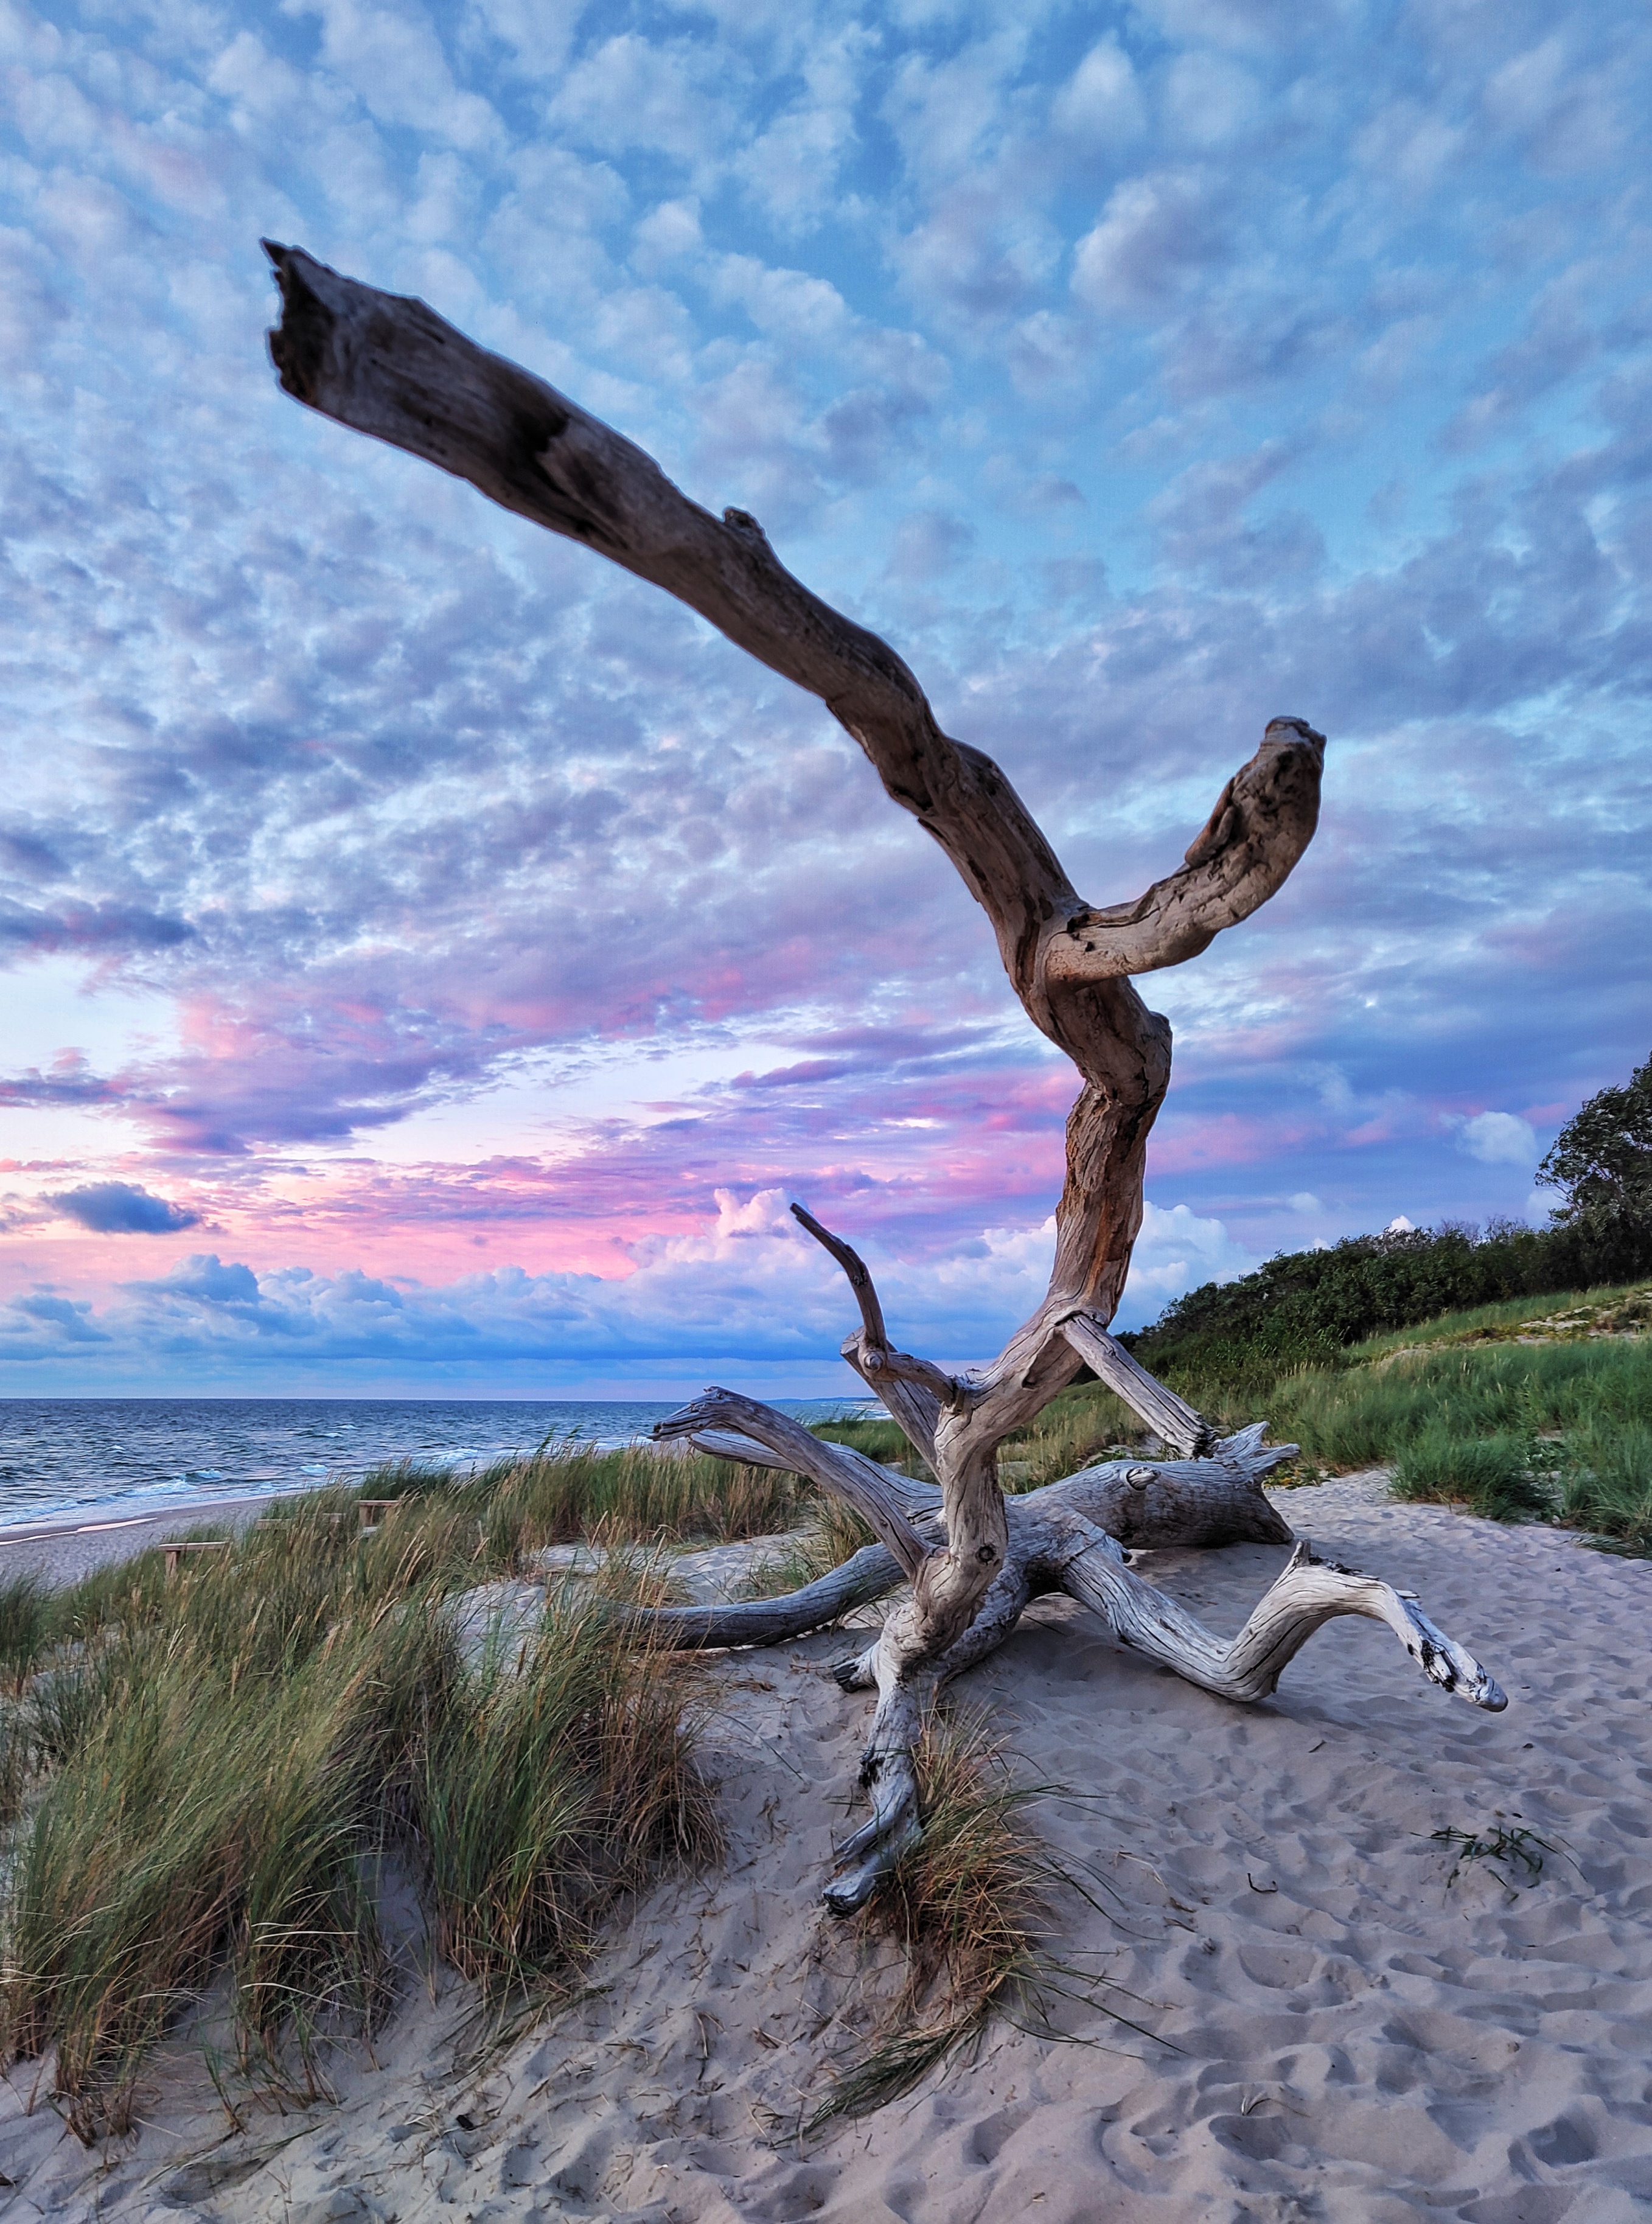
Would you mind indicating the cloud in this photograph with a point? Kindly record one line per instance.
(1500, 1139)
(419, 892)
(631, 93)
(61, 1320)
(744, 1289)
(1178, 1250)
(1156, 232)
(113, 1208)
(393, 59)
(1101, 100)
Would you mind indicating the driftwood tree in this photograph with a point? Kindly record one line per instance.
(971, 1559)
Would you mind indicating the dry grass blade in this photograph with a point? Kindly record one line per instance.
(25, 1629)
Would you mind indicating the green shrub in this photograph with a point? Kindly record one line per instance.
(1307, 1308)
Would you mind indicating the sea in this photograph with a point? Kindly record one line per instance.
(61, 1456)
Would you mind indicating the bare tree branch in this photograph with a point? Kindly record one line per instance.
(391, 367)
(847, 1473)
(870, 1353)
(1168, 1416)
(859, 1277)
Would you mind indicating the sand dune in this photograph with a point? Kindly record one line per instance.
(1335, 2032)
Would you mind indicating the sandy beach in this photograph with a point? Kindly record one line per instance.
(1330, 2028)
(67, 1546)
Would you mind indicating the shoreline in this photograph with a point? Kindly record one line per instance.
(261, 1473)
(65, 1547)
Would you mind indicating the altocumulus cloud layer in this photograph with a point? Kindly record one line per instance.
(430, 957)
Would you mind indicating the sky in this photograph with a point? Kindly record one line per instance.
(431, 960)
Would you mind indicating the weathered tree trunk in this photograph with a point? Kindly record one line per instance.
(390, 367)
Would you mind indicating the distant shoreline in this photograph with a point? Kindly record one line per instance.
(69, 1464)
(66, 1547)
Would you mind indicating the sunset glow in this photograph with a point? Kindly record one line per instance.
(433, 960)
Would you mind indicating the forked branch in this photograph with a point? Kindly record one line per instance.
(912, 1390)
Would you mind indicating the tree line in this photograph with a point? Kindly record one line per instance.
(1303, 1308)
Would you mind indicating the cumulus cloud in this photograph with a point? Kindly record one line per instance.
(1500, 1139)
(1177, 1251)
(114, 1208)
(1102, 99)
(1154, 236)
(745, 1290)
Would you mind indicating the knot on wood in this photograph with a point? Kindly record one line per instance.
(1138, 1477)
(987, 1554)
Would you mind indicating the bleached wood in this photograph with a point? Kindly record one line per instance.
(1071, 1536)
(860, 1482)
(1308, 1594)
(1199, 1502)
(1168, 1416)
(390, 367)
(867, 1576)
(871, 1354)
(725, 1444)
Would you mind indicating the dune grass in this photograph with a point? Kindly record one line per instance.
(1562, 1430)
(830, 1534)
(440, 1527)
(561, 1780)
(1468, 1409)
(25, 1623)
(878, 1438)
(1527, 1408)
(1080, 1426)
(967, 1906)
(638, 1493)
(207, 1776)
(210, 1815)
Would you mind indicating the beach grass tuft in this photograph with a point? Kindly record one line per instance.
(25, 1628)
(967, 1906)
(211, 1813)
(564, 1777)
(207, 1775)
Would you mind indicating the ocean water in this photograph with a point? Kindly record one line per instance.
(58, 1455)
